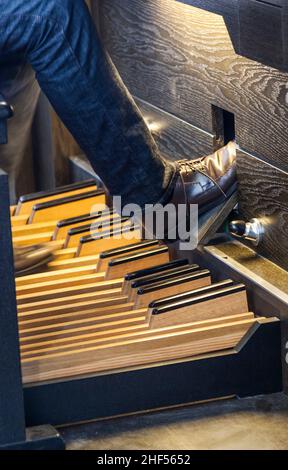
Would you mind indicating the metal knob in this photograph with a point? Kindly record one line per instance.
(252, 230)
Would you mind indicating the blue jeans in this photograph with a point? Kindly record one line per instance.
(59, 40)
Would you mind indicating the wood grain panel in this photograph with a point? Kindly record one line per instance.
(263, 193)
(182, 60)
(176, 138)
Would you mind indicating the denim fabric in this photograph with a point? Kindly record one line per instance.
(58, 38)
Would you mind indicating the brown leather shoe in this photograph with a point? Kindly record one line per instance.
(207, 181)
(210, 182)
(29, 260)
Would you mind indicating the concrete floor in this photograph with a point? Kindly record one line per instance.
(251, 423)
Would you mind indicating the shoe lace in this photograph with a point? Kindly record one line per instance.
(200, 166)
(194, 165)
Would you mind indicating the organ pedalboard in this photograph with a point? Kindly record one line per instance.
(116, 325)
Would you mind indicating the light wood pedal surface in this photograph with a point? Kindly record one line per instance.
(39, 344)
(65, 225)
(172, 345)
(26, 203)
(221, 306)
(112, 302)
(59, 301)
(101, 287)
(107, 240)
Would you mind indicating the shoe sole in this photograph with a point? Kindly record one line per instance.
(209, 223)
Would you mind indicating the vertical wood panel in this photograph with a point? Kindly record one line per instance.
(182, 60)
(175, 138)
(263, 193)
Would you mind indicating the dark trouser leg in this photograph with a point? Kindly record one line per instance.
(86, 91)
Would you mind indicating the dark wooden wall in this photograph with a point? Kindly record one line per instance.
(179, 62)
